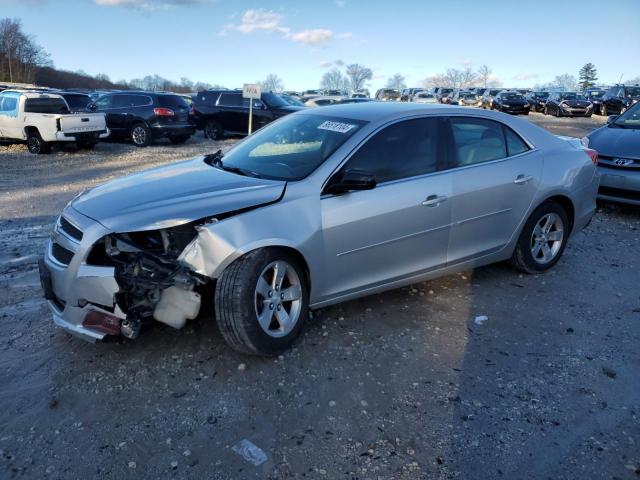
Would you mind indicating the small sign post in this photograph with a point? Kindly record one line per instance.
(251, 91)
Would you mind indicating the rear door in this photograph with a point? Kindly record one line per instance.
(401, 227)
(495, 175)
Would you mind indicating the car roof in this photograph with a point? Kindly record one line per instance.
(33, 93)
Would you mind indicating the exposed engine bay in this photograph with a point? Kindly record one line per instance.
(153, 284)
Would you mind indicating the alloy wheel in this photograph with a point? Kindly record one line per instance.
(278, 299)
(34, 145)
(547, 238)
(139, 135)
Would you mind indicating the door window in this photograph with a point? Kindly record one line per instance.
(477, 140)
(104, 102)
(402, 150)
(230, 100)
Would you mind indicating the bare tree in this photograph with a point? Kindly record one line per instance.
(358, 75)
(484, 75)
(396, 82)
(272, 83)
(20, 55)
(335, 80)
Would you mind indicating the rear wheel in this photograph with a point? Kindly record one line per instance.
(213, 130)
(261, 302)
(542, 240)
(36, 144)
(140, 135)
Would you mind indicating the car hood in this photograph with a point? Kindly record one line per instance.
(514, 103)
(285, 110)
(576, 103)
(616, 142)
(173, 195)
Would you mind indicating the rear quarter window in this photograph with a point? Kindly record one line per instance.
(45, 105)
(172, 101)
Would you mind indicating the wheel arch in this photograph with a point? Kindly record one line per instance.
(565, 202)
(30, 129)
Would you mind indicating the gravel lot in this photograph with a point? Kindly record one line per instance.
(402, 385)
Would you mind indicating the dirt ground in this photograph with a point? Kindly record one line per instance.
(401, 385)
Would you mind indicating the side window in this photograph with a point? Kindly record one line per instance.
(230, 100)
(139, 100)
(120, 101)
(477, 140)
(402, 150)
(515, 144)
(104, 102)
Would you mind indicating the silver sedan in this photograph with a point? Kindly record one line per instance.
(316, 208)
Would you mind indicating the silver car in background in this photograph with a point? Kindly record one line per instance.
(319, 207)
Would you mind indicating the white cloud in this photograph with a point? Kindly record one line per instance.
(259, 20)
(325, 64)
(262, 20)
(317, 36)
(148, 4)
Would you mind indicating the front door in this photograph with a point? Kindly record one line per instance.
(401, 227)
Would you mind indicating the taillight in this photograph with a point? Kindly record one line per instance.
(593, 155)
(163, 112)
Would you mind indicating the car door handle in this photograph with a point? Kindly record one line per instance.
(433, 200)
(522, 179)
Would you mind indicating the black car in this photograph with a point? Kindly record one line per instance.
(226, 112)
(618, 98)
(537, 100)
(511, 102)
(145, 116)
(568, 104)
(594, 95)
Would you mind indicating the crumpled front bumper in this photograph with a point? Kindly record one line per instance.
(72, 287)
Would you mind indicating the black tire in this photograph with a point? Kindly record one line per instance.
(546, 110)
(36, 145)
(236, 305)
(588, 115)
(522, 257)
(603, 110)
(179, 140)
(140, 135)
(213, 130)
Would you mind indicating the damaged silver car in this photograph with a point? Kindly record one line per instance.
(316, 208)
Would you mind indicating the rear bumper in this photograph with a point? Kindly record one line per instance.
(82, 136)
(178, 130)
(618, 185)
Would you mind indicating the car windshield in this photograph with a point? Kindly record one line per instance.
(596, 93)
(493, 93)
(273, 100)
(630, 118)
(292, 147)
(512, 96)
(633, 91)
(425, 95)
(571, 96)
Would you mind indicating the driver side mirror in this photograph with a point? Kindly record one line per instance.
(612, 118)
(351, 180)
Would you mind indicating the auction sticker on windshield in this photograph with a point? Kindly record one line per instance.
(335, 126)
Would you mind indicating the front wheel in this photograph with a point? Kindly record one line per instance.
(542, 240)
(213, 130)
(36, 144)
(261, 302)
